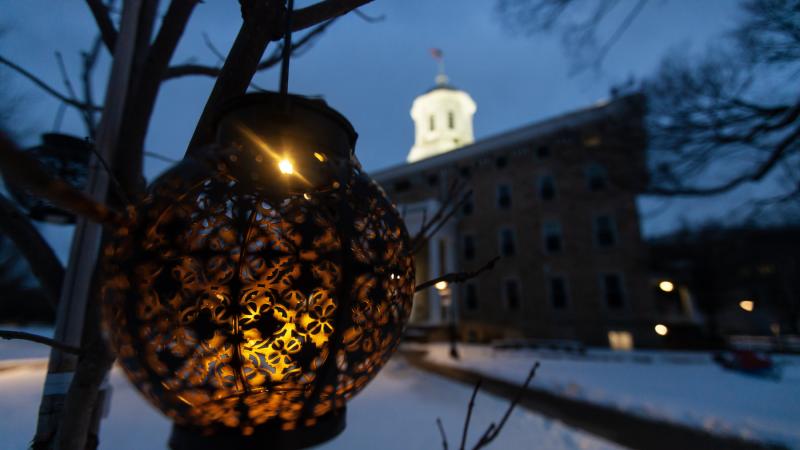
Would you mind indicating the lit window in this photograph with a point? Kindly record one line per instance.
(547, 188)
(471, 297)
(504, 196)
(620, 340)
(552, 237)
(605, 234)
(451, 120)
(612, 291)
(596, 177)
(507, 242)
(469, 247)
(511, 294)
(558, 292)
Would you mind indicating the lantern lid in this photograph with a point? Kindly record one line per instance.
(290, 105)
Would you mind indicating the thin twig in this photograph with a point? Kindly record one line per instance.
(46, 87)
(367, 18)
(458, 277)
(494, 430)
(470, 407)
(441, 431)
(159, 156)
(21, 335)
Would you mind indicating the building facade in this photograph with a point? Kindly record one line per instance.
(555, 199)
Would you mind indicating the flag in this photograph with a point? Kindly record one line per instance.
(437, 54)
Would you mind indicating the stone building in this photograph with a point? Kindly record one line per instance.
(556, 199)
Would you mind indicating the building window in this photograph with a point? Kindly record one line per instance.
(620, 340)
(507, 247)
(596, 177)
(468, 206)
(511, 294)
(471, 297)
(469, 247)
(402, 186)
(542, 152)
(433, 179)
(547, 188)
(605, 234)
(558, 292)
(552, 237)
(431, 123)
(501, 162)
(504, 196)
(451, 120)
(612, 290)
(465, 172)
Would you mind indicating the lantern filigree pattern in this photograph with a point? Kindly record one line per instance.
(231, 307)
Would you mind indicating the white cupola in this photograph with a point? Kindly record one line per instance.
(442, 119)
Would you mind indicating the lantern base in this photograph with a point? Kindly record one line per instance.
(265, 437)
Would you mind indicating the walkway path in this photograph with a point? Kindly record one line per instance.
(623, 428)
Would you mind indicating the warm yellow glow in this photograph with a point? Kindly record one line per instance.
(661, 329)
(666, 286)
(747, 305)
(319, 156)
(442, 285)
(286, 166)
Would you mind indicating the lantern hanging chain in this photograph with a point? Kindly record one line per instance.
(287, 48)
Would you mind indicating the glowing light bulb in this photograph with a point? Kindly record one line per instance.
(666, 286)
(661, 329)
(442, 285)
(286, 167)
(747, 305)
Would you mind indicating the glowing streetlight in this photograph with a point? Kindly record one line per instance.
(666, 286)
(747, 305)
(442, 285)
(661, 329)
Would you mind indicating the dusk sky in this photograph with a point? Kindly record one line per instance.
(371, 72)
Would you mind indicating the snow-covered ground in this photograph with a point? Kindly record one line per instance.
(682, 387)
(398, 410)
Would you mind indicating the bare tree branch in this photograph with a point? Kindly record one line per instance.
(40, 256)
(458, 277)
(272, 60)
(470, 407)
(367, 18)
(21, 335)
(46, 87)
(441, 432)
(144, 91)
(259, 26)
(325, 10)
(104, 24)
(493, 431)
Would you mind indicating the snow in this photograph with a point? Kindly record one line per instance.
(398, 410)
(683, 387)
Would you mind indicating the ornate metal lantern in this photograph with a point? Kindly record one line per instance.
(66, 157)
(262, 285)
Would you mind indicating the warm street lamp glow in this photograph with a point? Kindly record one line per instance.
(661, 329)
(442, 285)
(666, 286)
(747, 305)
(286, 167)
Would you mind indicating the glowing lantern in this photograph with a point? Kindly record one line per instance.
(262, 285)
